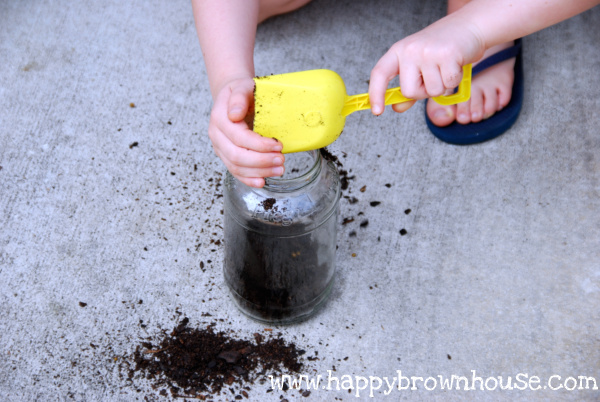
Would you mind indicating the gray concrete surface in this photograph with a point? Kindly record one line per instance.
(499, 271)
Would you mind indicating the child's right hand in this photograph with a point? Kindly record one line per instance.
(428, 63)
(248, 156)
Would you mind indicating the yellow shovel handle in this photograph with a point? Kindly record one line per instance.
(393, 96)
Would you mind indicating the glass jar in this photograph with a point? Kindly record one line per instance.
(280, 240)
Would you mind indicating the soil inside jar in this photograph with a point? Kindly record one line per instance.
(279, 264)
(276, 279)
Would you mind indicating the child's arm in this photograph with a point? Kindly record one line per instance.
(227, 30)
(430, 61)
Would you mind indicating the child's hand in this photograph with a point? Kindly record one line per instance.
(428, 63)
(247, 155)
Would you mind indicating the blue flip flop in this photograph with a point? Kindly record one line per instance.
(473, 133)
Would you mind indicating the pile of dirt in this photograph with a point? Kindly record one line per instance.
(197, 363)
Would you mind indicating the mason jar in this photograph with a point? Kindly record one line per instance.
(280, 240)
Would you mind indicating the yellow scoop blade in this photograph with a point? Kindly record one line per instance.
(307, 109)
(302, 110)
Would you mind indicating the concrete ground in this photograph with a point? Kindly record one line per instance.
(101, 240)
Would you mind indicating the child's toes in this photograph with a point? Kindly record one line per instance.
(440, 115)
(504, 94)
(490, 103)
(463, 111)
(476, 107)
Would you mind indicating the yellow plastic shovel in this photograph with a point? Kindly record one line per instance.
(307, 110)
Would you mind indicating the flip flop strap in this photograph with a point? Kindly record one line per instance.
(496, 58)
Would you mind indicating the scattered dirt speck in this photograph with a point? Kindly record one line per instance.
(268, 203)
(347, 220)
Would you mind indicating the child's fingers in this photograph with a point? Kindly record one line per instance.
(432, 80)
(242, 137)
(248, 166)
(238, 133)
(242, 147)
(242, 171)
(411, 82)
(383, 72)
(451, 74)
(240, 100)
(243, 155)
(247, 155)
(257, 182)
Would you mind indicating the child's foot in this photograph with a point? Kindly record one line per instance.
(491, 90)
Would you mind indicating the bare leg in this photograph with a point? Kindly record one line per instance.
(271, 8)
(490, 91)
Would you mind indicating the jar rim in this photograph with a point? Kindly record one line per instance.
(280, 184)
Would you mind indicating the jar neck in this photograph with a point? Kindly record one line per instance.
(296, 178)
